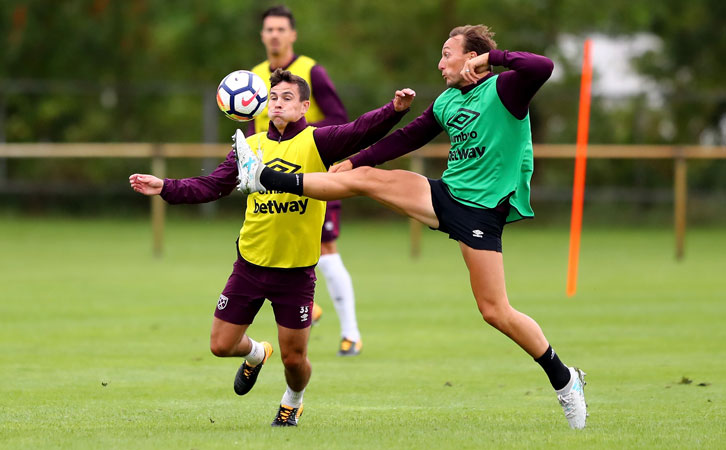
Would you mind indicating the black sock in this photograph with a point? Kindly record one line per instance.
(273, 180)
(557, 372)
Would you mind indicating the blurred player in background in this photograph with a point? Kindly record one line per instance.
(278, 36)
(486, 183)
(278, 246)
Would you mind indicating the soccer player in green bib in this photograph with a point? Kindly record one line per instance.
(485, 185)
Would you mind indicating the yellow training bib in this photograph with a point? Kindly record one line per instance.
(283, 230)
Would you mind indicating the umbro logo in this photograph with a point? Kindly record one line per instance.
(283, 166)
(222, 303)
(463, 118)
(478, 233)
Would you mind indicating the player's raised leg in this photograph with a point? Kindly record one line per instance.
(405, 192)
(486, 272)
(228, 339)
(402, 191)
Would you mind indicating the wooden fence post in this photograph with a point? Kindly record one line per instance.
(680, 194)
(158, 205)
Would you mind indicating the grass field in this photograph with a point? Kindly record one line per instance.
(103, 346)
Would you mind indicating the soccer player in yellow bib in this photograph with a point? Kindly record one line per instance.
(278, 36)
(279, 244)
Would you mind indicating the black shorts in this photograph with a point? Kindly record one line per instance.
(479, 228)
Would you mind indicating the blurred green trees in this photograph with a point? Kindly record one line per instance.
(138, 70)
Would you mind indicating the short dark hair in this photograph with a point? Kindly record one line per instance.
(279, 75)
(280, 11)
(477, 38)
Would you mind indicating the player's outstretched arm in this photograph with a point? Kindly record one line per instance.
(146, 184)
(194, 190)
(404, 140)
(340, 141)
(402, 100)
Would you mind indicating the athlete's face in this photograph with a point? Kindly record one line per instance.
(452, 61)
(278, 35)
(284, 105)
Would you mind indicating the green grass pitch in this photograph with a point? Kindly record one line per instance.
(103, 346)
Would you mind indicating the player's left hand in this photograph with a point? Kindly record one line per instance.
(476, 68)
(403, 99)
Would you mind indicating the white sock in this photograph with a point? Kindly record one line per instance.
(340, 287)
(256, 355)
(292, 398)
(569, 384)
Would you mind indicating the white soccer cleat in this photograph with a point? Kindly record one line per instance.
(572, 399)
(249, 165)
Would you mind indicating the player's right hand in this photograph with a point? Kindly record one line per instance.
(146, 184)
(476, 68)
(341, 167)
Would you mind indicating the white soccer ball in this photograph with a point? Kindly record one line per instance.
(242, 95)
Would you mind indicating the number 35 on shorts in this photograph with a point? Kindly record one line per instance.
(304, 313)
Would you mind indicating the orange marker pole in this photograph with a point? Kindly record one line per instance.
(578, 188)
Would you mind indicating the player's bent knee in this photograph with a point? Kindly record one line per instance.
(492, 315)
(293, 360)
(219, 348)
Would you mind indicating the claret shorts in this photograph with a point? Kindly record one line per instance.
(290, 291)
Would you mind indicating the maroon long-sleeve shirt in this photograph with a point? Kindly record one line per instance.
(333, 142)
(516, 88)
